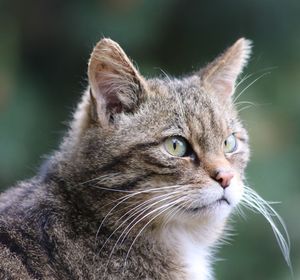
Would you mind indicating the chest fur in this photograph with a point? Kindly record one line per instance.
(195, 259)
(192, 254)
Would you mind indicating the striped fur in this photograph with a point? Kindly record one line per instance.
(111, 203)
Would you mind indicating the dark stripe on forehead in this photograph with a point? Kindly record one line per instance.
(209, 127)
(213, 120)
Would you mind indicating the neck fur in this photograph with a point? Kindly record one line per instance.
(193, 247)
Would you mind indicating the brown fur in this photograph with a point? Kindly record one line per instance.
(49, 225)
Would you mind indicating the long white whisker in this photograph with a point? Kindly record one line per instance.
(174, 212)
(153, 190)
(253, 201)
(135, 211)
(101, 177)
(156, 199)
(245, 102)
(126, 197)
(135, 222)
(246, 77)
(137, 217)
(262, 75)
(165, 74)
(110, 211)
(163, 209)
(243, 80)
(239, 211)
(244, 108)
(111, 189)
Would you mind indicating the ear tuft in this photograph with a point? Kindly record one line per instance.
(220, 75)
(115, 83)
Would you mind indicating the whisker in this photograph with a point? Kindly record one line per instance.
(164, 73)
(163, 209)
(153, 190)
(149, 207)
(124, 234)
(244, 108)
(245, 78)
(119, 239)
(174, 212)
(128, 196)
(110, 189)
(239, 211)
(135, 210)
(245, 102)
(134, 193)
(249, 85)
(159, 189)
(124, 198)
(99, 178)
(254, 202)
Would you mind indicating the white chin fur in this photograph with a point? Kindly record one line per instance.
(234, 192)
(192, 235)
(206, 207)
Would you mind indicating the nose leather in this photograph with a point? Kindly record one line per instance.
(224, 178)
(219, 169)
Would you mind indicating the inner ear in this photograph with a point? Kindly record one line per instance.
(116, 84)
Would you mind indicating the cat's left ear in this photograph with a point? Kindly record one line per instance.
(220, 76)
(116, 86)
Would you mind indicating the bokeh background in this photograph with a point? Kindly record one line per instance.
(44, 49)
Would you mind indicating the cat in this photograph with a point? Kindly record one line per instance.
(143, 183)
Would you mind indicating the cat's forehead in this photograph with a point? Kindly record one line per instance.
(184, 104)
(186, 96)
(188, 90)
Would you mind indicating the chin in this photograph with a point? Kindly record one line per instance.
(215, 211)
(195, 217)
(204, 225)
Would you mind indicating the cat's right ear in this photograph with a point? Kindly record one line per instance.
(115, 84)
(219, 77)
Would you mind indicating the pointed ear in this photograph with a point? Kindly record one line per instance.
(115, 84)
(220, 75)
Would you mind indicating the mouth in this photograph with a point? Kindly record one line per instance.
(222, 201)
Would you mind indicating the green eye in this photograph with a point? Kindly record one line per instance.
(176, 146)
(230, 144)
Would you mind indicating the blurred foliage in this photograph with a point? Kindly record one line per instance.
(44, 50)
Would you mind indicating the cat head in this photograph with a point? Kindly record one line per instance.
(173, 149)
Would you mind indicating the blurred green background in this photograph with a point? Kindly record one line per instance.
(44, 49)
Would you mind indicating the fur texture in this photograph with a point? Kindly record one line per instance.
(112, 202)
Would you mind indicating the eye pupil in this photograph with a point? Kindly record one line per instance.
(174, 144)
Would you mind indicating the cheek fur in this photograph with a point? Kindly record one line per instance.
(235, 191)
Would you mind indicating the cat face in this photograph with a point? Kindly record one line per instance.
(169, 149)
(181, 115)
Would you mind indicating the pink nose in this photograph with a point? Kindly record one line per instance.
(224, 178)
